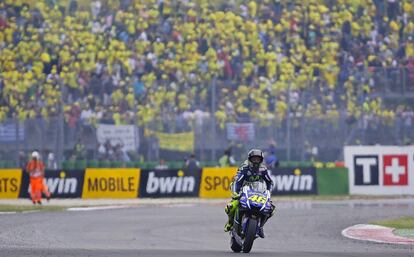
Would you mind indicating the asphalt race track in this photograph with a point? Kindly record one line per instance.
(299, 229)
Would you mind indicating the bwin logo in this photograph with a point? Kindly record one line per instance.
(179, 184)
(62, 185)
(295, 182)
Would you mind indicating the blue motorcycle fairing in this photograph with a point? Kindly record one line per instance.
(246, 202)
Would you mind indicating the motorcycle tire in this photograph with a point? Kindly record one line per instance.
(250, 235)
(234, 245)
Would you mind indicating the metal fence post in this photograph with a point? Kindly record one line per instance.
(202, 139)
(60, 140)
(61, 133)
(17, 140)
(213, 112)
(404, 83)
(288, 124)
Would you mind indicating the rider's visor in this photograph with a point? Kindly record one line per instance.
(256, 159)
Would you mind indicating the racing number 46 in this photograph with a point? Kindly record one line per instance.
(257, 199)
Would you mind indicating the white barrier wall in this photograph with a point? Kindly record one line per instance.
(380, 170)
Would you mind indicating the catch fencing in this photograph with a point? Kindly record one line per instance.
(299, 135)
(300, 139)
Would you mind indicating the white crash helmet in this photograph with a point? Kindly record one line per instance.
(255, 158)
(35, 154)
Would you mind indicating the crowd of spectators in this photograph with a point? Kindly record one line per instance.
(125, 61)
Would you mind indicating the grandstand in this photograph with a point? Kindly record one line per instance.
(310, 75)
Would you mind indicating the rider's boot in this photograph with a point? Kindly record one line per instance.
(261, 230)
(230, 210)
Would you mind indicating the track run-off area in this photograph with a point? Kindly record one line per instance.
(300, 228)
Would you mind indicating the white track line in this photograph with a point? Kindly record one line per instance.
(7, 212)
(111, 207)
(178, 205)
(97, 208)
(30, 211)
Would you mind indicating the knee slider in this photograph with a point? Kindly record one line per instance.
(228, 207)
(272, 210)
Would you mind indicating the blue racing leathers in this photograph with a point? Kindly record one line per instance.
(246, 174)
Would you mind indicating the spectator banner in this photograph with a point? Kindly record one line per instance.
(126, 135)
(8, 132)
(169, 183)
(294, 181)
(10, 180)
(60, 183)
(111, 183)
(215, 182)
(380, 170)
(240, 131)
(183, 142)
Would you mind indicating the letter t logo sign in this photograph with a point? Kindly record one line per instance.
(366, 163)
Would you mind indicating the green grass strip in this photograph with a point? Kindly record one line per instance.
(404, 232)
(21, 208)
(401, 223)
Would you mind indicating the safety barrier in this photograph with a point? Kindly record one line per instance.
(61, 183)
(203, 183)
(169, 183)
(111, 183)
(380, 170)
(332, 181)
(10, 183)
(215, 182)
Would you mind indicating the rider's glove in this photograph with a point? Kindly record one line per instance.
(235, 195)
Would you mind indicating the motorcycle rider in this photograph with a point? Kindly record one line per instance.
(251, 170)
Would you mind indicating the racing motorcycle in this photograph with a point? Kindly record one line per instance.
(254, 207)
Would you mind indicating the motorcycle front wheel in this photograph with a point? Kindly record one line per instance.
(250, 235)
